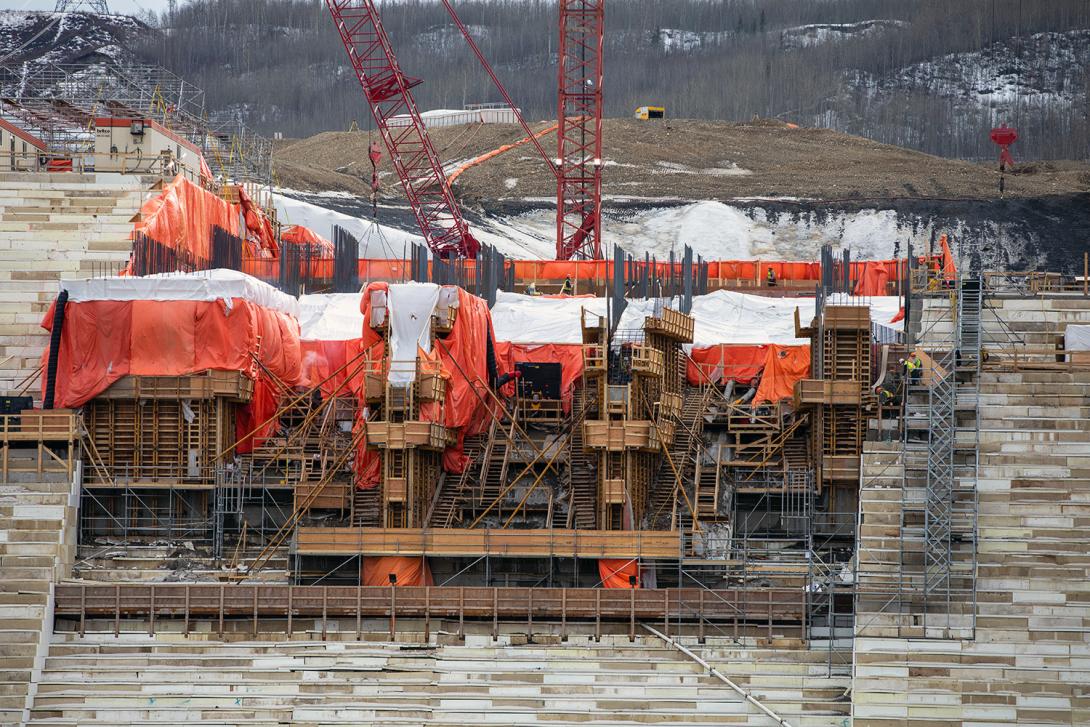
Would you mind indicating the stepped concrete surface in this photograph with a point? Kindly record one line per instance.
(1027, 659)
(55, 225)
(37, 544)
(135, 679)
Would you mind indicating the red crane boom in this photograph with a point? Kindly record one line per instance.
(414, 158)
(579, 136)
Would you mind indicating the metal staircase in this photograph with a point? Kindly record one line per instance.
(583, 465)
(941, 435)
(449, 500)
(685, 452)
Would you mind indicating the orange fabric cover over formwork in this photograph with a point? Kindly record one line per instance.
(568, 355)
(784, 365)
(464, 358)
(717, 364)
(299, 235)
(872, 278)
(183, 214)
(103, 340)
(409, 571)
(314, 252)
(327, 362)
(368, 463)
(617, 572)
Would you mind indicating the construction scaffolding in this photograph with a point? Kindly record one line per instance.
(941, 437)
(59, 103)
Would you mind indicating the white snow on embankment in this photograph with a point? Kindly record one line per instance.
(719, 231)
(376, 241)
(715, 230)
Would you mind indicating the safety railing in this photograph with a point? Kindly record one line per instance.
(1036, 282)
(164, 165)
(278, 605)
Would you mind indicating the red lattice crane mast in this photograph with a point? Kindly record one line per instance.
(411, 152)
(579, 134)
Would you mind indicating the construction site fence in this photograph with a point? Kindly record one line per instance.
(593, 275)
(282, 603)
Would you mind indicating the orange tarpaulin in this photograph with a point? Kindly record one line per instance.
(872, 278)
(299, 235)
(323, 360)
(568, 355)
(722, 362)
(103, 340)
(464, 355)
(376, 571)
(367, 465)
(618, 572)
(784, 365)
(949, 269)
(183, 214)
(464, 358)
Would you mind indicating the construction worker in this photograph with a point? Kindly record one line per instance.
(913, 367)
(531, 289)
(771, 278)
(566, 288)
(886, 395)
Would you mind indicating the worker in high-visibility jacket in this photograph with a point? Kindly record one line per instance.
(771, 278)
(566, 288)
(913, 368)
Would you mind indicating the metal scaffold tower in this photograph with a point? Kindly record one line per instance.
(579, 132)
(943, 457)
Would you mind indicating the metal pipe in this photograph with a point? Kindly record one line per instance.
(748, 696)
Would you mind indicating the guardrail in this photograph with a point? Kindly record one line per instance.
(219, 603)
(164, 165)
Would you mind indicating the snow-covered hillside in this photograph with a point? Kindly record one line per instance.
(36, 38)
(1043, 73)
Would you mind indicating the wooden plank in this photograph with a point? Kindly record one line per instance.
(515, 543)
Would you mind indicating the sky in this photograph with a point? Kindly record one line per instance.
(128, 7)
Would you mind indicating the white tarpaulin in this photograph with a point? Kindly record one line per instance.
(204, 285)
(410, 309)
(726, 316)
(535, 319)
(1077, 338)
(330, 317)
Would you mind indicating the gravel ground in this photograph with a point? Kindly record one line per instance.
(686, 159)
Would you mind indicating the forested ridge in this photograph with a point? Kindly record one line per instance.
(928, 74)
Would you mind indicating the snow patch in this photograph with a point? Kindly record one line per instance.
(730, 170)
(807, 36)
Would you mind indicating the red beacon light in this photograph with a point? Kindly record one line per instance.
(1003, 136)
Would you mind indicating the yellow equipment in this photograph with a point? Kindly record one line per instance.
(643, 113)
